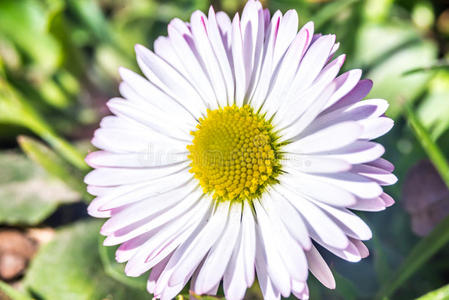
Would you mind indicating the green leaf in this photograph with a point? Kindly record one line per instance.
(53, 164)
(24, 22)
(12, 293)
(92, 16)
(401, 49)
(329, 11)
(52, 93)
(434, 108)
(439, 294)
(16, 110)
(419, 255)
(90, 13)
(59, 28)
(69, 267)
(27, 194)
(377, 10)
(117, 270)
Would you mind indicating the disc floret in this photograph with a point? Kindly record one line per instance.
(234, 153)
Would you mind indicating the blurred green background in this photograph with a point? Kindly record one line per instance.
(58, 67)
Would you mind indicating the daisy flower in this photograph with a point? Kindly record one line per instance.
(239, 150)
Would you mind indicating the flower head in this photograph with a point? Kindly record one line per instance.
(238, 151)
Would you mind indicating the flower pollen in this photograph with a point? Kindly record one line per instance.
(234, 153)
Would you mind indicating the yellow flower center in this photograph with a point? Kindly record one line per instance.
(234, 153)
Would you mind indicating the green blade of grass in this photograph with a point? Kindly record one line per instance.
(439, 237)
(54, 165)
(12, 293)
(14, 109)
(431, 148)
(330, 10)
(435, 67)
(438, 294)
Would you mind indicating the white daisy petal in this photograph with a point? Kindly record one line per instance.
(382, 163)
(288, 28)
(364, 251)
(252, 26)
(97, 190)
(165, 240)
(163, 48)
(374, 128)
(155, 273)
(289, 64)
(296, 128)
(191, 60)
(135, 141)
(356, 153)
(134, 160)
(172, 129)
(313, 62)
(217, 259)
(302, 99)
(225, 25)
(334, 49)
(345, 83)
(118, 176)
(136, 88)
(319, 268)
(361, 89)
(197, 247)
(143, 190)
(351, 224)
(259, 93)
(300, 291)
(318, 190)
(238, 62)
(130, 247)
(269, 291)
(94, 209)
(268, 255)
(387, 199)
(350, 253)
(327, 139)
(153, 222)
(375, 204)
(292, 220)
(367, 109)
(316, 164)
(174, 83)
(239, 274)
(248, 243)
(157, 204)
(201, 39)
(258, 24)
(220, 51)
(379, 175)
(354, 183)
(292, 253)
(316, 219)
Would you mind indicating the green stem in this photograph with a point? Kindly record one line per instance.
(419, 255)
(431, 148)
